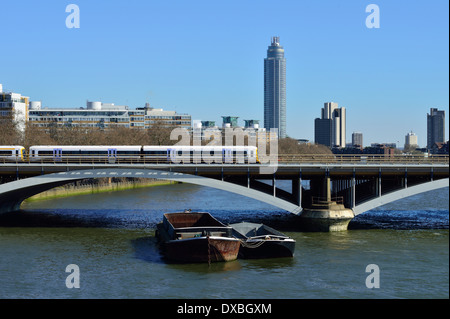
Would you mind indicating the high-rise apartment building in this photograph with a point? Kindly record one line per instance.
(435, 127)
(411, 141)
(339, 127)
(275, 88)
(357, 139)
(330, 129)
(322, 131)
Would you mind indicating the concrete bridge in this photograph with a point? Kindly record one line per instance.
(326, 196)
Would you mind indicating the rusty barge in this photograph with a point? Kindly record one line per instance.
(196, 237)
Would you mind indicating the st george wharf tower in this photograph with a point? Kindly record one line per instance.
(275, 88)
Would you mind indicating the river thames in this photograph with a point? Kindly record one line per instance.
(110, 237)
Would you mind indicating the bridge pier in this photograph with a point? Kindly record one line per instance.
(326, 214)
(327, 218)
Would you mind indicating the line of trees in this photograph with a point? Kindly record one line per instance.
(158, 134)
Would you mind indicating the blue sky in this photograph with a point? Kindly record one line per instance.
(206, 58)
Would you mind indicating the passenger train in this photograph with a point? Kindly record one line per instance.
(132, 153)
(12, 153)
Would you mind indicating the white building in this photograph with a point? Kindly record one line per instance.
(14, 105)
(411, 140)
(104, 115)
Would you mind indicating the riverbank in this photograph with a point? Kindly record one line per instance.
(97, 186)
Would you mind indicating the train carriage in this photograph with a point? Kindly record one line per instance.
(145, 154)
(200, 154)
(80, 153)
(12, 153)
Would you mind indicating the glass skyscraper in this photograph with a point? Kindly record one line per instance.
(435, 127)
(275, 88)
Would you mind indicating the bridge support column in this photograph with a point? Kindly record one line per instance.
(8, 207)
(274, 186)
(378, 184)
(334, 217)
(353, 190)
(326, 215)
(297, 190)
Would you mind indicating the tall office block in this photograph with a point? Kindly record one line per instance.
(328, 109)
(275, 88)
(322, 131)
(435, 127)
(339, 127)
(411, 141)
(357, 139)
(330, 128)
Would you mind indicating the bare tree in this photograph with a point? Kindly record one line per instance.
(35, 135)
(9, 131)
(159, 134)
(291, 146)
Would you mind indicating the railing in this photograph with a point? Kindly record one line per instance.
(363, 159)
(359, 159)
(320, 201)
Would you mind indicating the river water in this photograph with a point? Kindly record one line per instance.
(110, 237)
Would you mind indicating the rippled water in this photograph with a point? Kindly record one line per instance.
(110, 237)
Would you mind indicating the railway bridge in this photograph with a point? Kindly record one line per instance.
(325, 192)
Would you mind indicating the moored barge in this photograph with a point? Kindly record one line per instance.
(196, 237)
(262, 241)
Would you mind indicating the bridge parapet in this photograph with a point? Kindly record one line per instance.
(332, 159)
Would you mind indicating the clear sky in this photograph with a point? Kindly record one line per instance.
(206, 58)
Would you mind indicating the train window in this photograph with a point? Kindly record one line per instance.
(5, 152)
(128, 152)
(155, 153)
(93, 152)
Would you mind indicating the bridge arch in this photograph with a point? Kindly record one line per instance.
(12, 194)
(399, 194)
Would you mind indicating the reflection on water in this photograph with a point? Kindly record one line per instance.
(147, 249)
(204, 268)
